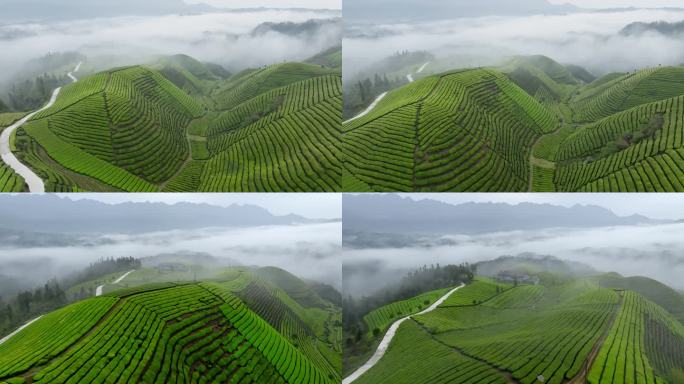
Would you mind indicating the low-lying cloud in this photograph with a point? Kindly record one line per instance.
(653, 251)
(221, 37)
(308, 251)
(589, 39)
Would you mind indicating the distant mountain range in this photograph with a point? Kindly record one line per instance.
(417, 10)
(52, 214)
(308, 28)
(397, 215)
(662, 27)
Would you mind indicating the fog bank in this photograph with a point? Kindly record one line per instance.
(222, 37)
(655, 251)
(589, 39)
(308, 251)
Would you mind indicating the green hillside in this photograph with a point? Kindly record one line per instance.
(572, 332)
(462, 131)
(179, 125)
(241, 328)
(331, 58)
(381, 318)
(531, 124)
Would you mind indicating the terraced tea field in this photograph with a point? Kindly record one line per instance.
(528, 125)
(179, 125)
(572, 332)
(239, 330)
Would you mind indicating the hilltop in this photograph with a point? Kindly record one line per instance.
(530, 124)
(179, 125)
(242, 326)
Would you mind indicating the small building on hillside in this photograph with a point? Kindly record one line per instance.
(172, 267)
(513, 277)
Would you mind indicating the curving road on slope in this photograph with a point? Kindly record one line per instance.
(369, 109)
(382, 96)
(387, 339)
(4, 339)
(98, 290)
(34, 182)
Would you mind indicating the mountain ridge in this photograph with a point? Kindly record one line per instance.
(404, 215)
(24, 212)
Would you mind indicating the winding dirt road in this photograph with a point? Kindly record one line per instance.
(4, 339)
(34, 182)
(369, 109)
(421, 69)
(387, 339)
(382, 96)
(98, 290)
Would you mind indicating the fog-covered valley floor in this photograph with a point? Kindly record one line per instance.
(655, 251)
(229, 38)
(592, 39)
(310, 251)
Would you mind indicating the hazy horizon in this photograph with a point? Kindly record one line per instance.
(223, 38)
(589, 39)
(654, 250)
(312, 206)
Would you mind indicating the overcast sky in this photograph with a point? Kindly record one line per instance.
(621, 3)
(314, 4)
(311, 205)
(653, 205)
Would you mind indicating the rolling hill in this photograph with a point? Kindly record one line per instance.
(178, 125)
(563, 330)
(239, 328)
(530, 124)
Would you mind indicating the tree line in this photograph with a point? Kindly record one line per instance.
(54, 294)
(422, 280)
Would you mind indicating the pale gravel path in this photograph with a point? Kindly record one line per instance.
(382, 96)
(4, 339)
(369, 109)
(98, 290)
(387, 339)
(34, 182)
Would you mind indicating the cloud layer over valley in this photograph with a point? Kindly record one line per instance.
(655, 251)
(589, 39)
(309, 251)
(221, 37)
